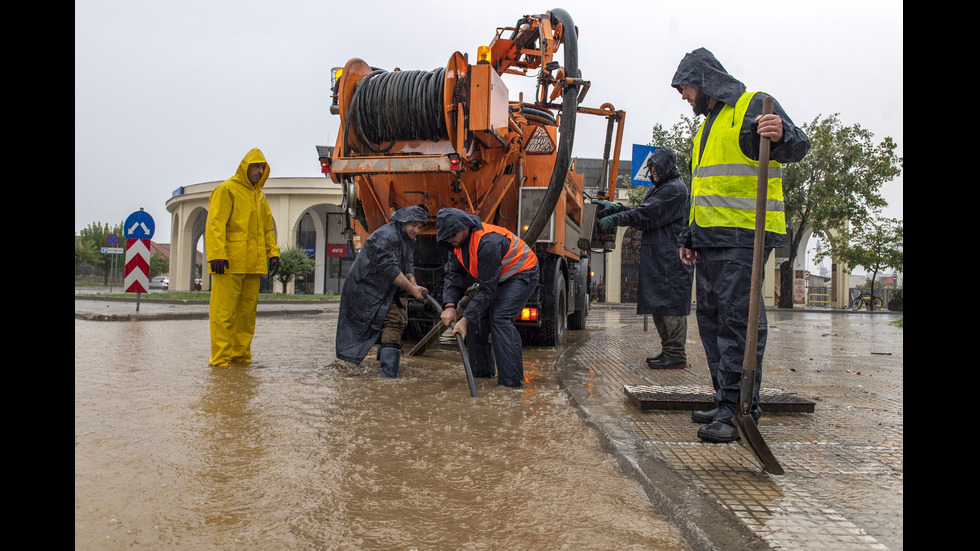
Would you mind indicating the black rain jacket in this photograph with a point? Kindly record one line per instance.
(662, 216)
(369, 288)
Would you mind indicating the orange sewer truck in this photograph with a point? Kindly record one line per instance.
(453, 137)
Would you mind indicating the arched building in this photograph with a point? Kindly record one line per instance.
(307, 215)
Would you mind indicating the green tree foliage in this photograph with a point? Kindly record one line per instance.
(158, 265)
(835, 187)
(88, 248)
(292, 262)
(874, 244)
(680, 138)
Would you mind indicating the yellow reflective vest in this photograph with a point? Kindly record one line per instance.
(240, 228)
(724, 182)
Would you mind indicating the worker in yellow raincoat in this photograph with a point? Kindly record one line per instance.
(240, 242)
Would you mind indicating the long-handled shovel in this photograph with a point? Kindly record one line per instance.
(743, 418)
(462, 347)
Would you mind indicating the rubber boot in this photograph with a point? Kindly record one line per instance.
(390, 356)
(704, 416)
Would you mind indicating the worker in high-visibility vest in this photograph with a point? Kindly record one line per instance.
(721, 234)
(507, 272)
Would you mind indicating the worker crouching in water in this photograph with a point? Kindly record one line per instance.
(506, 270)
(240, 241)
(373, 301)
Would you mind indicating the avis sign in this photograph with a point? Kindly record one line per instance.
(139, 229)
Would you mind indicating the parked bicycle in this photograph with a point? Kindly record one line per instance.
(866, 300)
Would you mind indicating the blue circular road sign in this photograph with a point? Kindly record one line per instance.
(139, 225)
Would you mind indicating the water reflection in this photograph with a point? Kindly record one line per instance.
(232, 446)
(299, 451)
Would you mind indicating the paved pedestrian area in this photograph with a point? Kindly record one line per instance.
(843, 481)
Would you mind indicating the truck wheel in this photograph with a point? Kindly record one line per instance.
(580, 310)
(552, 332)
(576, 321)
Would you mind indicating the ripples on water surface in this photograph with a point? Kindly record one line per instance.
(300, 451)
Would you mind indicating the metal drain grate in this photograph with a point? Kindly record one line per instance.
(648, 397)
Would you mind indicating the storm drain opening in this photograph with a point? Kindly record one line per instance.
(690, 397)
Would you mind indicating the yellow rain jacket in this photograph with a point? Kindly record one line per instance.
(240, 227)
(239, 230)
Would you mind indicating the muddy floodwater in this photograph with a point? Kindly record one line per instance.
(301, 451)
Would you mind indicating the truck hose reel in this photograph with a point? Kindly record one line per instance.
(398, 106)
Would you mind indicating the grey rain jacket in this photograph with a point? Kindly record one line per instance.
(662, 216)
(369, 288)
(700, 69)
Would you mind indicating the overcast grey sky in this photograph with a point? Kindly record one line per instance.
(174, 93)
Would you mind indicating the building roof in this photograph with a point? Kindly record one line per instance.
(591, 170)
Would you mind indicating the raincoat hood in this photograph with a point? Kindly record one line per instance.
(700, 69)
(450, 221)
(417, 213)
(664, 159)
(252, 157)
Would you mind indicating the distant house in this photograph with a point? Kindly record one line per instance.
(163, 249)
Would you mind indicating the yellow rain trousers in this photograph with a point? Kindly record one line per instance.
(240, 229)
(234, 299)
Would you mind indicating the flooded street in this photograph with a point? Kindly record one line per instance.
(301, 451)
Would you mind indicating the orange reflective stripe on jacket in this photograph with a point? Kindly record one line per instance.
(519, 256)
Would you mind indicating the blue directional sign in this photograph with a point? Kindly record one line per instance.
(139, 225)
(641, 174)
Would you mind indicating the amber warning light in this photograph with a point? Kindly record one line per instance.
(325, 165)
(528, 314)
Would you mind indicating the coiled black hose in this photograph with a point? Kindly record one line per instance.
(400, 105)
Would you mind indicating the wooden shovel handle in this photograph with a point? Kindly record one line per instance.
(755, 296)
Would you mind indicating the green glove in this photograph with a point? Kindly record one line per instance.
(606, 223)
(606, 208)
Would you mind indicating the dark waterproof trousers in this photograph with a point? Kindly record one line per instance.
(495, 331)
(673, 337)
(724, 277)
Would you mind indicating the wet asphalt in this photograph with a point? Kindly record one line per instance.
(843, 486)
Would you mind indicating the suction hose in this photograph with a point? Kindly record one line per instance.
(566, 129)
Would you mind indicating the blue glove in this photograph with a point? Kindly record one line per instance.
(273, 266)
(606, 223)
(218, 265)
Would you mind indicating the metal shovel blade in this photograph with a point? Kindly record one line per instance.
(438, 328)
(751, 435)
(424, 342)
